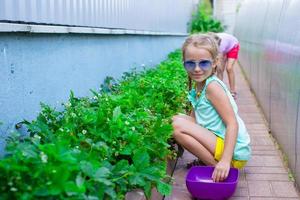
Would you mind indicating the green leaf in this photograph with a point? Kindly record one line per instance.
(67, 157)
(141, 159)
(117, 112)
(90, 197)
(111, 192)
(104, 181)
(79, 180)
(54, 190)
(28, 151)
(127, 150)
(41, 191)
(151, 173)
(87, 168)
(102, 172)
(147, 189)
(72, 189)
(164, 189)
(120, 167)
(137, 179)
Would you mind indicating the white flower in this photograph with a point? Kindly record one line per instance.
(68, 104)
(84, 132)
(133, 128)
(44, 157)
(37, 136)
(126, 122)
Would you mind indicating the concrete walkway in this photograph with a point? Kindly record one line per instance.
(265, 176)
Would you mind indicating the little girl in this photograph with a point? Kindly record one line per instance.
(229, 49)
(214, 132)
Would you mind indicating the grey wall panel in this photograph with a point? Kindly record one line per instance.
(44, 68)
(259, 19)
(281, 75)
(241, 32)
(270, 56)
(297, 131)
(164, 16)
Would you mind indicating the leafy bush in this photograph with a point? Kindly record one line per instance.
(202, 20)
(99, 147)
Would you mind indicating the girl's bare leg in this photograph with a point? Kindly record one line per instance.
(196, 139)
(230, 73)
(221, 67)
(195, 148)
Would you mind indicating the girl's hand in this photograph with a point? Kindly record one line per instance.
(221, 171)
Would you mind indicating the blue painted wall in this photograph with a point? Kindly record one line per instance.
(44, 68)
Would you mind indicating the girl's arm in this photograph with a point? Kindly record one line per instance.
(219, 99)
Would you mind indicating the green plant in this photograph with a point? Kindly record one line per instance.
(99, 147)
(202, 20)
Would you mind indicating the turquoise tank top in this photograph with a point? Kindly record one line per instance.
(207, 116)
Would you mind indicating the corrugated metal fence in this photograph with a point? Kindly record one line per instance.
(154, 15)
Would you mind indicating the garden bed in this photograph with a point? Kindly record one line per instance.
(100, 147)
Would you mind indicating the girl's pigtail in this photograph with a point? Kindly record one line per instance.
(188, 109)
(189, 83)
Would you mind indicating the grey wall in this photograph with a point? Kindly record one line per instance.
(270, 56)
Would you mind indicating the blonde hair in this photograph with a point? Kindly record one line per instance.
(216, 37)
(203, 41)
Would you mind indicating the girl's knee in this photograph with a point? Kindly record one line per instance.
(177, 135)
(229, 68)
(178, 122)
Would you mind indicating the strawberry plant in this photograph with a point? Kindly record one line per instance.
(99, 147)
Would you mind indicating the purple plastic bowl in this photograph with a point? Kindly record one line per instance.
(201, 186)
